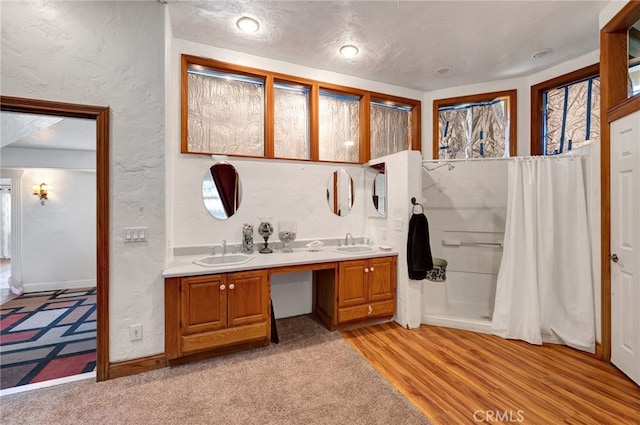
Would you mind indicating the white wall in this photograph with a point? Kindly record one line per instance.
(59, 237)
(402, 171)
(282, 190)
(110, 54)
(48, 158)
(523, 87)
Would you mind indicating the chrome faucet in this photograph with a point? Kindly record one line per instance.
(224, 247)
(346, 239)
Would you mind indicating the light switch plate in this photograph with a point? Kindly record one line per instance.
(135, 234)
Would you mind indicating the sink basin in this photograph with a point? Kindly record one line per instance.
(223, 260)
(355, 249)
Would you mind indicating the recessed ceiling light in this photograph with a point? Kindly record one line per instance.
(541, 53)
(349, 51)
(247, 24)
(443, 69)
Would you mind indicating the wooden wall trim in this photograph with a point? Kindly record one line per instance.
(101, 115)
(135, 366)
(613, 91)
(624, 19)
(624, 108)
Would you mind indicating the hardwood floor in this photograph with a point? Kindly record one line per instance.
(462, 377)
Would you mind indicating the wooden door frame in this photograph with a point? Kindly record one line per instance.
(101, 115)
(613, 104)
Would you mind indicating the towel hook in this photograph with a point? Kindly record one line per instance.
(416, 204)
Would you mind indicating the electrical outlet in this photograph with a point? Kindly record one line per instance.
(398, 225)
(384, 234)
(135, 332)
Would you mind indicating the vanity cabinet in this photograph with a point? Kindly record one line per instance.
(216, 312)
(366, 289)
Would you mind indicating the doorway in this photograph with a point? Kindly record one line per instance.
(101, 117)
(625, 238)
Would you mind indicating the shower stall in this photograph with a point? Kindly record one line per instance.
(466, 204)
(541, 273)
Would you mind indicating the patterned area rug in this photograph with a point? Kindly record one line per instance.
(47, 335)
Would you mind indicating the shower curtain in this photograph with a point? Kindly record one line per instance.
(545, 283)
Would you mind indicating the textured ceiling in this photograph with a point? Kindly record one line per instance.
(401, 42)
(47, 132)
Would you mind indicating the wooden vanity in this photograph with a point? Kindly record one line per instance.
(221, 312)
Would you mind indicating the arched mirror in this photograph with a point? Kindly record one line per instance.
(221, 190)
(379, 190)
(340, 192)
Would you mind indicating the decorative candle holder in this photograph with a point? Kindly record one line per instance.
(247, 238)
(265, 229)
(287, 234)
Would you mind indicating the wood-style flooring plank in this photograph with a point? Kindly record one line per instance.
(462, 377)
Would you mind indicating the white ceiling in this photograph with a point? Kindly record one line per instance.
(46, 132)
(401, 42)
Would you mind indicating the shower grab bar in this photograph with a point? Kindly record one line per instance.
(453, 242)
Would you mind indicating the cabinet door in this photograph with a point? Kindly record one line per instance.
(352, 283)
(249, 297)
(382, 279)
(204, 304)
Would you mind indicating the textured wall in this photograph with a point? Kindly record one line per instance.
(110, 54)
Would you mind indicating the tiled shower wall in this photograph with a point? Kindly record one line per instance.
(466, 204)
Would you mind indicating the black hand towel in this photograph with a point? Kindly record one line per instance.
(419, 258)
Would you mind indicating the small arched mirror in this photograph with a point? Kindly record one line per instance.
(379, 190)
(340, 192)
(221, 190)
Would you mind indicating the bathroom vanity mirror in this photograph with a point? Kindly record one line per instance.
(340, 192)
(379, 189)
(221, 190)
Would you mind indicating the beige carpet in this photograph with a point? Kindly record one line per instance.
(312, 377)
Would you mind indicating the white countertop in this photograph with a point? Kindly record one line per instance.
(183, 265)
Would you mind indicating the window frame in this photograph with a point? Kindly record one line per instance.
(537, 104)
(416, 117)
(314, 92)
(511, 97)
(270, 148)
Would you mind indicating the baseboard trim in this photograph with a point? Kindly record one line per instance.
(599, 353)
(56, 286)
(135, 366)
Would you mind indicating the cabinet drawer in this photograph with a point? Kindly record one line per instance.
(224, 337)
(366, 311)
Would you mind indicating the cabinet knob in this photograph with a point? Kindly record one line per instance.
(231, 286)
(366, 270)
(372, 269)
(222, 287)
(370, 310)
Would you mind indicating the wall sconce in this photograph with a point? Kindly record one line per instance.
(40, 190)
